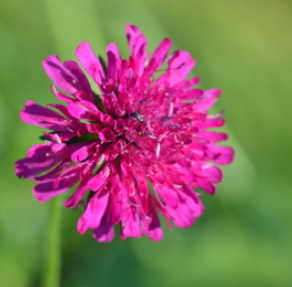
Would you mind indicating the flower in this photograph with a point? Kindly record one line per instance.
(141, 146)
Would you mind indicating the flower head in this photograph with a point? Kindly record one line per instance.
(141, 146)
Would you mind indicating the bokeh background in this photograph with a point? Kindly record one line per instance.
(243, 47)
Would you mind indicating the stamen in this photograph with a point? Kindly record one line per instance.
(181, 65)
(58, 140)
(175, 126)
(177, 186)
(149, 127)
(170, 98)
(101, 159)
(133, 204)
(202, 141)
(144, 101)
(216, 116)
(131, 74)
(170, 110)
(164, 124)
(158, 149)
(164, 119)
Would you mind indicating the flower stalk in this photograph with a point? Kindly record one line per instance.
(53, 248)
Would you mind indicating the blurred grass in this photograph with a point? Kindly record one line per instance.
(244, 236)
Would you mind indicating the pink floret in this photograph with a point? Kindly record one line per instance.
(142, 146)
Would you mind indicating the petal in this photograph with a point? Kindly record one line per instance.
(61, 96)
(112, 69)
(84, 110)
(130, 222)
(213, 136)
(46, 189)
(158, 56)
(213, 93)
(191, 94)
(221, 154)
(90, 62)
(107, 135)
(182, 215)
(94, 212)
(180, 67)
(151, 226)
(34, 114)
(206, 185)
(61, 77)
(112, 47)
(168, 196)
(211, 173)
(105, 231)
(39, 160)
(83, 153)
(100, 179)
(193, 201)
(78, 194)
(138, 45)
(74, 68)
(204, 104)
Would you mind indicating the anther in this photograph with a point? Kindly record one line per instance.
(144, 101)
(158, 149)
(170, 110)
(131, 74)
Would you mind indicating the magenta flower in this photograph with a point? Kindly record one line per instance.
(140, 147)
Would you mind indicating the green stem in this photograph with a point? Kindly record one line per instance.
(53, 249)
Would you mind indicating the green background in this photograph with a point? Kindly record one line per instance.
(243, 47)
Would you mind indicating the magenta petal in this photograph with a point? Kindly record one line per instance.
(46, 189)
(112, 70)
(181, 67)
(206, 185)
(100, 179)
(132, 33)
(107, 135)
(34, 114)
(65, 148)
(39, 160)
(112, 47)
(213, 136)
(130, 222)
(116, 204)
(91, 218)
(138, 46)
(82, 153)
(83, 110)
(158, 56)
(223, 155)
(105, 231)
(212, 173)
(193, 202)
(213, 93)
(151, 226)
(168, 196)
(50, 174)
(90, 62)
(61, 77)
(204, 104)
(78, 194)
(74, 68)
(61, 96)
(182, 215)
(191, 94)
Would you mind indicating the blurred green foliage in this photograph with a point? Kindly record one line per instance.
(243, 47)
